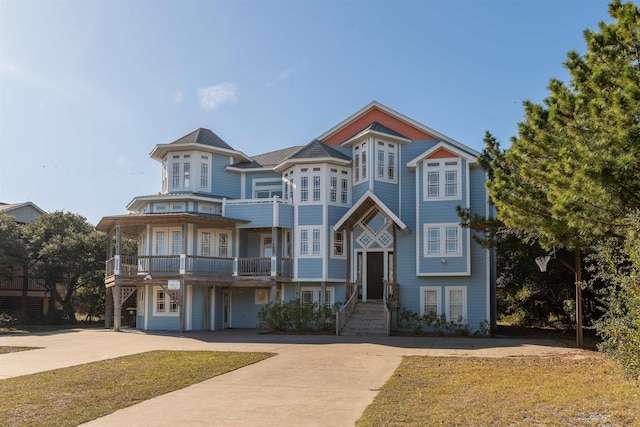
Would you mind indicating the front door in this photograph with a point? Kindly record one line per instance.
(375, 274)
(226, 308)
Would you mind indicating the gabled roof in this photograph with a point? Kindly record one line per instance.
(313, 152)
(316, 149)
(273, 158)
(22, 212)
(376, 112)
(364, 204)
(267, 160)
(378, 127)
(205, 137)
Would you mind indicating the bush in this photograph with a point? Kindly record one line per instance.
(7, 320)
(619, 267)
(435, 324)
(298, 317)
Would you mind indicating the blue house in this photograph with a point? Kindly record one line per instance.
(364, 215)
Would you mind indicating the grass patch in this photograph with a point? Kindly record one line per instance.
(74, 395)
(519, 391)
(5, 349)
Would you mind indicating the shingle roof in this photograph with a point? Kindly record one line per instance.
(378, 127)
(275, 157)
(205, 137)
(316, 149)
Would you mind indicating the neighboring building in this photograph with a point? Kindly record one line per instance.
(20, 290)
(371, 201)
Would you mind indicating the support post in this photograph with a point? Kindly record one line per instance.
(578, 271)
(181, 304)
(108, 308)
(116, 308)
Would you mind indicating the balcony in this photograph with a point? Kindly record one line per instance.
(142, 265)
(16, 283)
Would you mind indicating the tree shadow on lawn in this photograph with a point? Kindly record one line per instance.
(509, 338)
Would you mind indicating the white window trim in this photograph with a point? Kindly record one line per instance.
(442, 168)
(215, 242)
(385, 163)
(344, 245)
(140, 302)
(273, 186)
(317, 292)
(438, 291)
(310, 253)
(443, 240)
(447, 290)
(166, 312)
(364, 168)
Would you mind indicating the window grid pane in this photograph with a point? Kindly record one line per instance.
(451, 184)
(204, 175)
(205, 244)
(160, 301)
(451, 240)
(431, 302)
(380, 164)
(433, 183)
(334, 189)
(304, 242)
(304, 189)
(433, 241)
(175, 180)
(316, 241)
(391, 164)
(223, 245)
(316, 188)
(160, 243)
(345, 191)
(177, 243)
(187, 175)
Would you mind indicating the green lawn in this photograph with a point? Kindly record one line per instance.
(517, 391)
(71, 396)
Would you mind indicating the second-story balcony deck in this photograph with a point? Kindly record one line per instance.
(230, 269)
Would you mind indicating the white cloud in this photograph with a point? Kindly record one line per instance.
(284, 74)
(213, 97)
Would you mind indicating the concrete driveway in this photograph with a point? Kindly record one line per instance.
(313, 380)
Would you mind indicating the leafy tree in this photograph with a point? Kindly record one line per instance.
(67, 250)
(13, 249)
(13, 252)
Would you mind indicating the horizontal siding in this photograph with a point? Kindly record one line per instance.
(310, 215)
(310, 268)
(285, 216)
(224, 183)
(388, 193)
(260, 214)
(244, 310)
(197, 308)
(337, 269)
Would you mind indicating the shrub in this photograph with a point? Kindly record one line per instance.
(296, 316)
(435, 324)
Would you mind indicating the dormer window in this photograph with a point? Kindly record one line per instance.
(442, 179)
(386, 155)
(360, 162)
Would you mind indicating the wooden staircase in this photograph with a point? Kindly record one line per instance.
(367, 319)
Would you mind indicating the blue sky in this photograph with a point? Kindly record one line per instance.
(87, 88)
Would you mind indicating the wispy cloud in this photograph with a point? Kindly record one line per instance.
(284, 74)
(213, 97)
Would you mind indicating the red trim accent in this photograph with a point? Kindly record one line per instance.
(376, 115)
(441, 153)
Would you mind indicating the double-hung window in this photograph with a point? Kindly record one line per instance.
(337, 250)
(386, 162)
(442, 179)
(204, 175)
(164, 304)
(456, 303)
(310, 241)
(316, 188)
(443, 240)
(430, 300)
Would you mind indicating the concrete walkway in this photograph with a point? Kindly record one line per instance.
(313, 380)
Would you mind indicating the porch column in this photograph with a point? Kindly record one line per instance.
(116, 308)
(108, 307)
(181, 304)
(274, 293)
(274, 251)
(323, 293)
(347, 244)
(118, 240)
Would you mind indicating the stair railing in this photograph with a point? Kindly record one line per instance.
(345, 311)
(387, 313)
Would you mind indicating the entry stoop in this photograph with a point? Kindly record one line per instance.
(367, 319)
